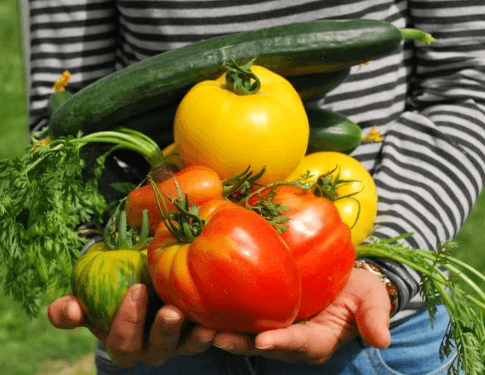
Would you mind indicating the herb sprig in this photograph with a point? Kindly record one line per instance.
(466, 331)
(43, 199)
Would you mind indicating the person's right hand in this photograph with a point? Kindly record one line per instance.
(125, 340)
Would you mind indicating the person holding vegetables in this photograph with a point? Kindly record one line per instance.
(427, 102)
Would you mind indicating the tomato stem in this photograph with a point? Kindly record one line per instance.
(240, 79)
(185, 225)
(117, 237)
(327, 186)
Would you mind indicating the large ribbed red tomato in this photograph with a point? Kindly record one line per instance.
(237, 274)
(320, 243)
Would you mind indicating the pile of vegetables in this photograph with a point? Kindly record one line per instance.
(252, 213)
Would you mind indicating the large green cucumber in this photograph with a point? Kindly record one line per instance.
(315, 86)
(330, 131)
(295, 49)
(57, 99)
(157, 122)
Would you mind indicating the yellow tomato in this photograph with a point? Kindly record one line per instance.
(228, 132)
(356, 194)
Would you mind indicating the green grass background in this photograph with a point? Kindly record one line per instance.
(27, 343)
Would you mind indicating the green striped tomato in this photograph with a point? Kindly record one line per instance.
(101, 278)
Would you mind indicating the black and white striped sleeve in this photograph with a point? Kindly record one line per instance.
(433, 159)
(76, 35)
(431, 167)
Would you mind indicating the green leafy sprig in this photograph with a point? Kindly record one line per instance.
(466, 331)
(43, 200)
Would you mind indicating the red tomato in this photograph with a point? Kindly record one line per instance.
(320, 243)
(236, 275)
(198, 182)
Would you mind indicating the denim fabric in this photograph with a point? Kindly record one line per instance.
(414, 351)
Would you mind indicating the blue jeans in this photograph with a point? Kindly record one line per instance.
(414, 351)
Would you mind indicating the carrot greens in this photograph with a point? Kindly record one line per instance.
(466, 331)
(43, 200)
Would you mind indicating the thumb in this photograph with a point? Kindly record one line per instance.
(66, 312)
(373, 321)
(125, 337)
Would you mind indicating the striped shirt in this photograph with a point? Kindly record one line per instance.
(428, 101)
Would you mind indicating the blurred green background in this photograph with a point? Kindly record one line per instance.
(33, 346)
(28, 346)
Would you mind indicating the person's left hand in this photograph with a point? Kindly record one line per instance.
(361, 308)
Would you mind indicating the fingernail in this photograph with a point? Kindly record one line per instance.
(136, 294)
(389, 342)
(68, 309)
(264, 347)
(227, 347)
(171, 316)
(206, 337)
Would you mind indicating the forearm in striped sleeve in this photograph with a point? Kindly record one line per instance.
(432, 163)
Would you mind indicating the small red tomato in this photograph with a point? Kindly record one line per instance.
(198, 182)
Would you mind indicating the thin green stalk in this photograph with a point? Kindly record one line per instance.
(419, 35)
(129, 139)
(468, 268)
(451, 267)
(475, 301)
(125, 138)
(446, 299)
(377, 251)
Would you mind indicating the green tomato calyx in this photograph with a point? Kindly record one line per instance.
(184, 224)
(116, 236)
(327, 186)
(240, 79)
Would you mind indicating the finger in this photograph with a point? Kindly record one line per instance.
(245, 345)
(312, 342)
(125, 339)
(66, 312)
(197, 341)
(100, 334)
(235, 343)
(164, 335)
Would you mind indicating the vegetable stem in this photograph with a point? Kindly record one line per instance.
(419, 35)
(124, 138)
(129, 139)
(240, 79)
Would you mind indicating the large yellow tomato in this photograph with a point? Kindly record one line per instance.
(228, 132)
(355, 195)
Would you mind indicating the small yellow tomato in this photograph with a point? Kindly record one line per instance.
(228, 132)
(354, 194)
